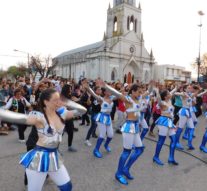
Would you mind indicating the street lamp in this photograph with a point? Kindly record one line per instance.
(24, 53)
(199, 48)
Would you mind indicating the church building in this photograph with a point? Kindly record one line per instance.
(121, 55)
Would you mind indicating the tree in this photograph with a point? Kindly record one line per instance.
(23, 68)
(203, 66)
(16, 71)
(3, 74)
(43, 66)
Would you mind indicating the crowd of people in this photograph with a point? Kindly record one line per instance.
(51, 105)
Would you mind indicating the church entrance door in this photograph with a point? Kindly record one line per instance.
(129, 78)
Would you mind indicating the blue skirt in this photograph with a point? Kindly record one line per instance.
(42, 159)
(165, 121)
(185, 112)
(104, 118)
(130, 127)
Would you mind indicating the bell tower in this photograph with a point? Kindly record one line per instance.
(122, 18)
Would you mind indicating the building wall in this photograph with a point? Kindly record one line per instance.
(165, 73)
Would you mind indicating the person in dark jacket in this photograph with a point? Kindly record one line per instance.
(69, 125)
(96, 108)
(85, 101)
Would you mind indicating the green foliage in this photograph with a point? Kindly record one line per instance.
(2, 74)
(15, 71)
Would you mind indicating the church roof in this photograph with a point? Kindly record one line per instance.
(90, 47)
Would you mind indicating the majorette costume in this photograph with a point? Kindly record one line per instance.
(45, 158)
(185, 118)
(130, 132)
(165, 126)
(105, 126)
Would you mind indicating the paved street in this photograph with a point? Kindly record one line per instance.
(91, 174)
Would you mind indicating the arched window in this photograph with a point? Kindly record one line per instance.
(128, 22)
(115, 24)
(113, 76)
(135, 25)
(131, 23)
(125, 78)
(146, 77)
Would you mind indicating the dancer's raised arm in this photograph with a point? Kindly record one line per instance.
(75, 109)
(18, 118)
(202, 93)
(89, 89)
(172, 92)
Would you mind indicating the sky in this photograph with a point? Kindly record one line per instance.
(50, 27)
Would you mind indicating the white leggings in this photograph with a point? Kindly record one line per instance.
(130, 139)
(37, 179)
(183, 121)
(103, 129)
(164, 131)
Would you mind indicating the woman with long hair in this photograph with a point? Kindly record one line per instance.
(103, 120)
(45, 159)
(165, 126)
(187, 115)
(130, 132)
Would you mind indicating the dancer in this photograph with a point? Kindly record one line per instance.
(130, 133)
(165, 126)
(103, 119)
(185, 115)
(44, 159)
(193, 110)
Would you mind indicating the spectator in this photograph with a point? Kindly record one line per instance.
(69, 125)
(18, 103)
(96, 108)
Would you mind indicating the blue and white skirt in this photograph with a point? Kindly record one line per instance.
(165, 121)
(42, 159)
(104, 118)
(130, 127)
(185, 112)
